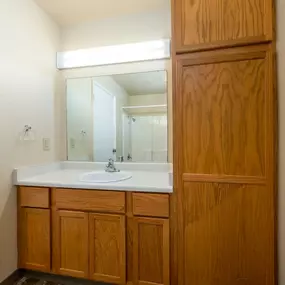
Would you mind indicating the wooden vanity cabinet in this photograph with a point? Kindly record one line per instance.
(90, 234)
(34, 229)
(107, 247)
(209, 24)
(150, 251)
(149, 236)
(71, 243)
(34, 244)
(108, 236)
(90, 246)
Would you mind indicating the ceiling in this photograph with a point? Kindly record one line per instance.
(143, 83)
(73, 12)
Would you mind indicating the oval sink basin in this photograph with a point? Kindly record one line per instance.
(105, 177)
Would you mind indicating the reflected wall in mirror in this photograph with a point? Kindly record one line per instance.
(123, 117)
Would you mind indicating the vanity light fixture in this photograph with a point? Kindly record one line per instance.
(150, 50)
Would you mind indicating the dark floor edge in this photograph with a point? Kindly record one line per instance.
(12, 278)
(59, 279)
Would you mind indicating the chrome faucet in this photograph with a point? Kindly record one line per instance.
(110, 167)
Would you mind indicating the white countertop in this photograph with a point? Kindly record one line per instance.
(146, 177)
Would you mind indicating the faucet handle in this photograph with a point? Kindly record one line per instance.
(110, 167)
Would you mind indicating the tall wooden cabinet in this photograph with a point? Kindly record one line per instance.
(223, 226)
(207, 24)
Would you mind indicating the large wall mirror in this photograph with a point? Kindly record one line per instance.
(123, 117)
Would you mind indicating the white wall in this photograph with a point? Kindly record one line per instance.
(124, 29)
(29, 41)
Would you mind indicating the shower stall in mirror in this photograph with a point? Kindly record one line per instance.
(121, 116)
(145, 135)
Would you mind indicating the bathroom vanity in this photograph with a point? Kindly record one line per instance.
(113, 235)
(87, 219)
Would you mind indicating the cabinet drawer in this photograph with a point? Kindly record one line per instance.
(34, 197)
(153, 205)
(90, 200)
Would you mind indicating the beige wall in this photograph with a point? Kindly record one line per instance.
(119, 30)
(29, 41)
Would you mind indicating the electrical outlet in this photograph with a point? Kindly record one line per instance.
(46, 144)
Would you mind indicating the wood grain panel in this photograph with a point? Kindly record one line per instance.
(34, 239)
(220, 178)
(35, 197)
(54, 234)
(72, 244)
(229, 234)
(224, 115)
(154, 205)
(107, 239)
(90, 200)
(129, 250)
(224, 201)
(151, 251)
(208, 24)
(129, 237)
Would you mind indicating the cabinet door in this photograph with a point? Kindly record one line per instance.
(34, 239)
(150, 251)
(71, 254)
(225, 167)
(107, 239)
(205, 24)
